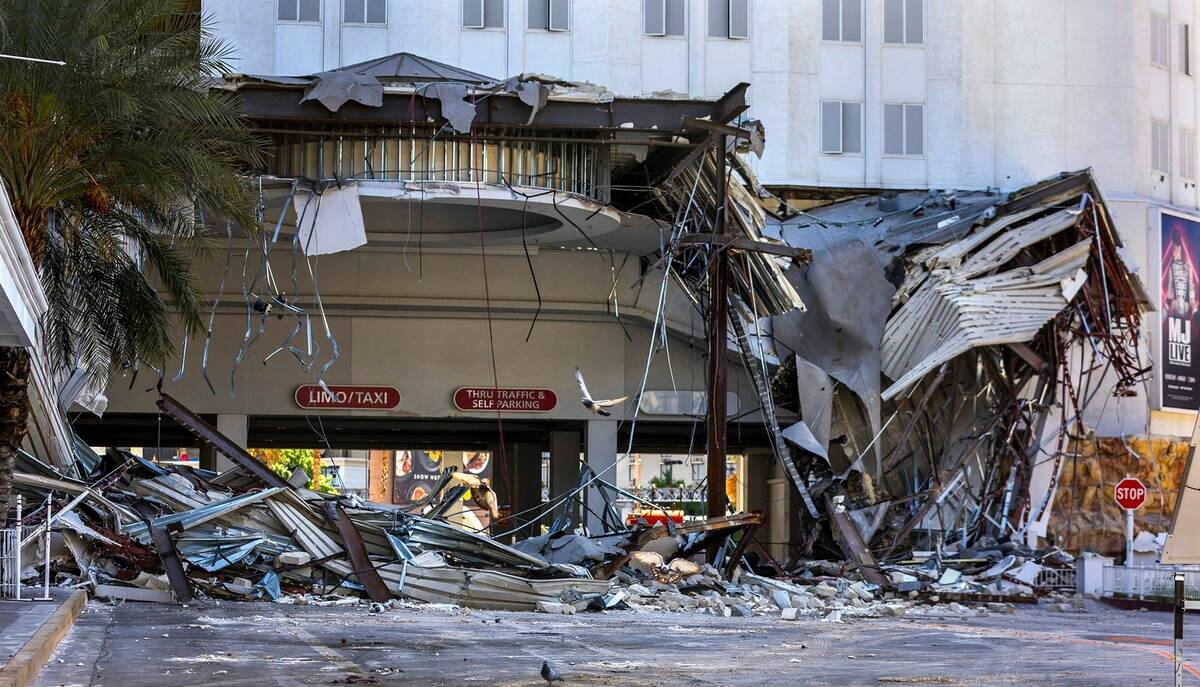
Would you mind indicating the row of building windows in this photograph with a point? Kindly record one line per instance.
(903, 21)
(842, 123)
(841, 20)
(1160, 44)
(726, 18)
(1160, 150)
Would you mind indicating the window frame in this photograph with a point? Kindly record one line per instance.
(905, 40)
(841, 15)
(1158, 21)
(841, 151)
(483, 25)
(298, 20)
(1164, 169)
(549, 18)
(1187, 154)
(904, 114)
(366, 14)
(729, 7)
(666, 6)
(1185, 49)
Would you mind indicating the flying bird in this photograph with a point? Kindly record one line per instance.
(549, 674)
(597, 407)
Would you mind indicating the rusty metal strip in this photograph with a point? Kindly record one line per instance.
(173, 566)
(739, 550)
(852, 541)
(364, 570)
(209, 434)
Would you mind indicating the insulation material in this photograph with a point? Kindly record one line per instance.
(333, 224)
(951, 313)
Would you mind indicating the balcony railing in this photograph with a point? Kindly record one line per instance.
(528, 158)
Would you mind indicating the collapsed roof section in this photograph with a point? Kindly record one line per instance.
(931, 368)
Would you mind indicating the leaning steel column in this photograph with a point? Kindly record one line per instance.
(718, 334)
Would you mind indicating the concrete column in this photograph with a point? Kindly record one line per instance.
(780, 495)
(525, 471)
(601, 457)
(236, 427)
(564, 464)
(380, 476)
(754, 478)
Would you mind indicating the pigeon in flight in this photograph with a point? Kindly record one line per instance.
(549, 674)
(597, 407)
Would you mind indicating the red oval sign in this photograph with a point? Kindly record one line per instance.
(349, 397)
(1130, 493)
(475, 398)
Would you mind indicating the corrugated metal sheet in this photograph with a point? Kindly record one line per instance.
(951, 313)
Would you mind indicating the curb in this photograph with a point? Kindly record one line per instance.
(25, 665)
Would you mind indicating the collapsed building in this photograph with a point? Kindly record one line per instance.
(912, 367)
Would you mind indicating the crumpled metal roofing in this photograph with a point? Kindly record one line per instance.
(954, 309)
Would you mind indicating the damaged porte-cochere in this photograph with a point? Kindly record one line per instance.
(922, 360)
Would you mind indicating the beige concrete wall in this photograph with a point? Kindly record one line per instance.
(428, 334)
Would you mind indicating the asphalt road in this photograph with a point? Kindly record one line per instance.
(134, 645)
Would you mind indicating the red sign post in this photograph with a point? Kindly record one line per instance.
(1130, 493)
(474, 398)
(347, 397)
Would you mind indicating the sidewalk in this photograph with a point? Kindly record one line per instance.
(43, 622)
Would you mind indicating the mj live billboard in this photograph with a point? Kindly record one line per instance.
(1178, 310)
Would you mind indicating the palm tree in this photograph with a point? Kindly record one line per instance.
(112, 162)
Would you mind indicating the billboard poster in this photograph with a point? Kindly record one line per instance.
(1180, 242)
(417, 474)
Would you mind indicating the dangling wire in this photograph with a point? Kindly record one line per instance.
(216, 301)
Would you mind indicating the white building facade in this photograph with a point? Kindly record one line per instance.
(854, 94)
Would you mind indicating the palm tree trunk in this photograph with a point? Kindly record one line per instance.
(14, 416)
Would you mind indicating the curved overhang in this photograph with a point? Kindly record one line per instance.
(456, 215)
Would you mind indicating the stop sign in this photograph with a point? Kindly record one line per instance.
(1130, 493)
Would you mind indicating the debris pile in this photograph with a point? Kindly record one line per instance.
(140, 531)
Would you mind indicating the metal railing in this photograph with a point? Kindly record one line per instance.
(671, 494)
(1057, 578)
(10, 559)
(1150, 582)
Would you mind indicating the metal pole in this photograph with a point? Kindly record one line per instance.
(718, 316)
(17, 577)
(1128, 537)
(46, 572)
(1179, 604)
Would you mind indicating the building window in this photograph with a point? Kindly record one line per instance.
(729, 18)
(1160, 41)
(299, 10)
(903, 129)
(699, 472)
(841, 127)
(1185, 49)
(841, 20)
(1160, 147)
(483, 14)
(904, 22)
(364, 12)
(664, 17)
(549, 15)
(1187, 154)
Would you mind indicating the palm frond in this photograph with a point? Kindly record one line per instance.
(122, 146)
